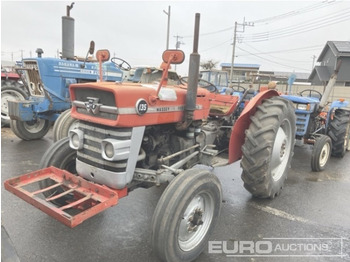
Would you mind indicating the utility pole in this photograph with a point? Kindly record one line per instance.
(168, 29)
(21, 53)
(244, 24)
(233, 54)
(178, 42)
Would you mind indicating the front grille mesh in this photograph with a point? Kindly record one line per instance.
(104, 97)
(33, 78)
(93, 136)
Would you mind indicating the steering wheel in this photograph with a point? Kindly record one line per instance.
(311, 93)
(237, 88)
(202, 83)
(120, 62)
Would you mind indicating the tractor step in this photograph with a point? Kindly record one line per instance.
(72, 200)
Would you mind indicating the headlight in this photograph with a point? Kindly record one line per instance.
(304, 107)
(115, 150)
(76, 139)
(109, 150)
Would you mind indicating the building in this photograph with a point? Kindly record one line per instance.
(249, 72)
(241, 72)
(328, 59)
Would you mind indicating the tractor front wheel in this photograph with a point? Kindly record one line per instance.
(63, 125)
(321, 153)
(186, 215)
(268, 148)
(62, 156)
(30, 130)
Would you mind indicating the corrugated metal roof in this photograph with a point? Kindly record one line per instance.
(240, 65)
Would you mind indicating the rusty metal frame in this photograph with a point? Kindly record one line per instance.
(97, 198)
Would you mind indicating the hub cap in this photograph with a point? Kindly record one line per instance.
(34, 126)
(196, 221)
(281, 150)
(324, 154)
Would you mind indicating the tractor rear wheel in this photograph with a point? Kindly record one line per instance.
(321, 153)
(186, 215)
(268, 148)
(9, 93)
(339, 132)
(30, 130)
(62, 156)
(63, 125)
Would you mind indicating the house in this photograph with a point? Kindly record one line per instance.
(241, 72)
(328, 59)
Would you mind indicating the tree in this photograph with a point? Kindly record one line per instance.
(210, 64)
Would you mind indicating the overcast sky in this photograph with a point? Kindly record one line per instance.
(285, 37)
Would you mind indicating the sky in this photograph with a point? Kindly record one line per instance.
(278, 35)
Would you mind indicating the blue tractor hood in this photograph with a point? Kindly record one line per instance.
(302, 99)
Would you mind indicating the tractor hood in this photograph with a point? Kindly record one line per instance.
(130, 105)
(302, 99)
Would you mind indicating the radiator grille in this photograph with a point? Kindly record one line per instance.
(33, 78)
(93, 136)
(104, 97)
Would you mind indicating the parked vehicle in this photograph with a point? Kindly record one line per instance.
(12, 88)
(326, 129)
(48, 79)
(135, 135)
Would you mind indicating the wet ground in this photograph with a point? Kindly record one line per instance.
(309, 221)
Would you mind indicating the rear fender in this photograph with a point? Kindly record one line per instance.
(238, 131)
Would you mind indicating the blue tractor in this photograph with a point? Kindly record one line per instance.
(327, 129)
(47, 81)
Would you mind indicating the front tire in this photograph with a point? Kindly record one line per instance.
(186, 215)
(59, 155)
(30, 130)
(63, 125)
(268, 148)
(339, 132)
(320, 153)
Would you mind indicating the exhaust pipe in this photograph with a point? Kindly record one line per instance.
(330, 86)
(193, 74)
(68, 35)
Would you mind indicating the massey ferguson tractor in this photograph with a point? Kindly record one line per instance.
(131, 135)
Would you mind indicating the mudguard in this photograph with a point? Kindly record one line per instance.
(238, 132)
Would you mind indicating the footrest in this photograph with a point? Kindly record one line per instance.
(69, 199)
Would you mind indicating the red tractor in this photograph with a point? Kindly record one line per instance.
(12, 88)
(134, 135)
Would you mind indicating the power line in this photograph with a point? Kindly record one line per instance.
(274, 57)
(297, 29)
(271, 61)
(299, 11)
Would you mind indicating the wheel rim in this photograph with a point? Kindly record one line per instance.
(347, 139)
(35, 126)
(281, 150)
(196, 221)
(8, 95)
(324, 155)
